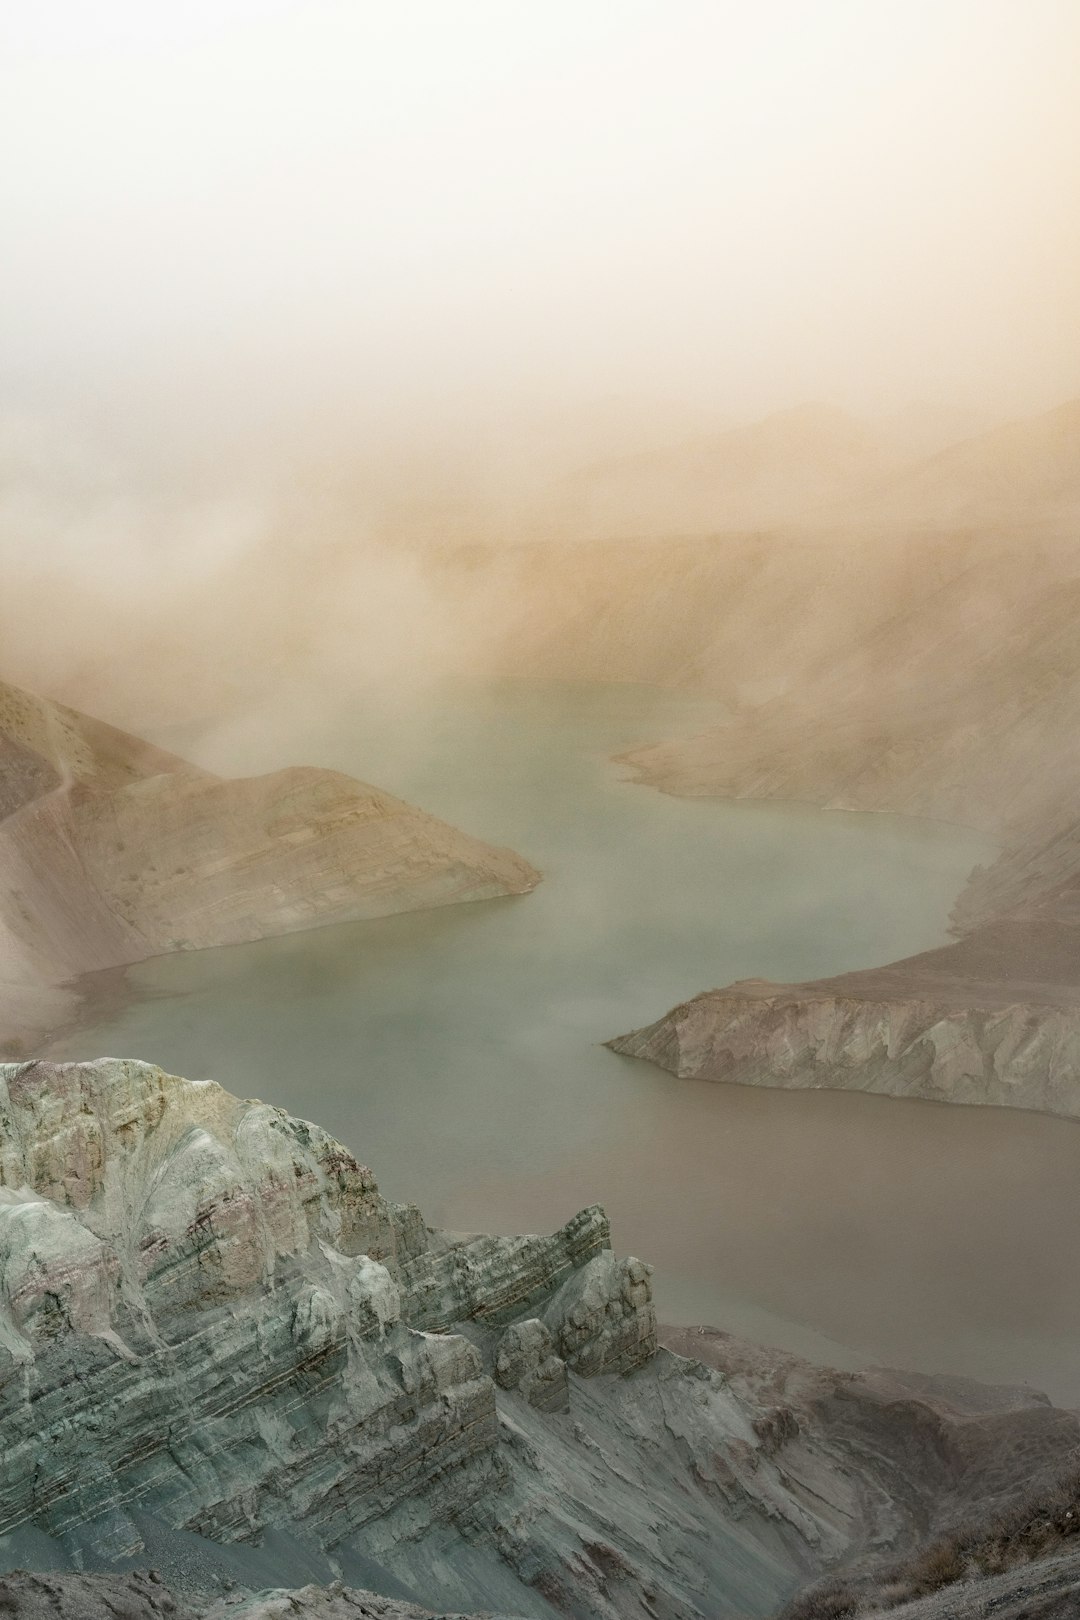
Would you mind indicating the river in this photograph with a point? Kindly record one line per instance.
(458, 1051)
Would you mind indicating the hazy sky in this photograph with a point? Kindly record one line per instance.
(436, 205)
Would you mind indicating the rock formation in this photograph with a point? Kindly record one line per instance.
(225, 1356)
(211, 1318)
(27, 1595)
(977, 1489)
(994, 1019)
(112, 851)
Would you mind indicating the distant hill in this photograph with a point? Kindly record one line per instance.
(1025, 474)
(820, 467)
(774, 471)
(112, 851)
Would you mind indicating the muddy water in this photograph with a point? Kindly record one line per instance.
(458, 1051)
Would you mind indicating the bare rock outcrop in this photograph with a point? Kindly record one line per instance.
(992, 1020)
(28, 1595)
(224, 1356)
(210, 1320)
(971, 1493)
(525, 1360)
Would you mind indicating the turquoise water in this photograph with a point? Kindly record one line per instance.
(459, 1051)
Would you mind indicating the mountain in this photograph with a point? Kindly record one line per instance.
(940, 678)
(1025, 474)
(964, 708)
(992, 1020)
(778, 470)
(112, 851)
(952, 694)
(225, 1357)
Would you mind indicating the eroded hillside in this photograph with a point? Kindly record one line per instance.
(227, 1355)
(112, 851)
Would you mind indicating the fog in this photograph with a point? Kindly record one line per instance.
(434, 207)
(290, 288)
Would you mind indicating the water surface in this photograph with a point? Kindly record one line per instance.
(458, 1051)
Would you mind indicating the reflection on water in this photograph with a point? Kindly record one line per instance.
(458, 1051)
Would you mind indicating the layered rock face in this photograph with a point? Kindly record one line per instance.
(112, 851)
(940, 1026)
(971, 1492)
(25, 1595)
(993, 1019)
(224, 1356)
(212, 1322)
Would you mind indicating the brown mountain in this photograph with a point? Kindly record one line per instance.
(112, 851)
(777, 470)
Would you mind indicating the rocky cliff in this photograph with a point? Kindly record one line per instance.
(112, 851)
(212, 1320)
(30, 1595)
(224, 1355)
(994, 1019)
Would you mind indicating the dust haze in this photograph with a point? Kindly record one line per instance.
(356, 354)
(298, 297)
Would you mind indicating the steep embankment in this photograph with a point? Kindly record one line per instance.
(223, 1353)
(992, 1019)
(112, 851)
